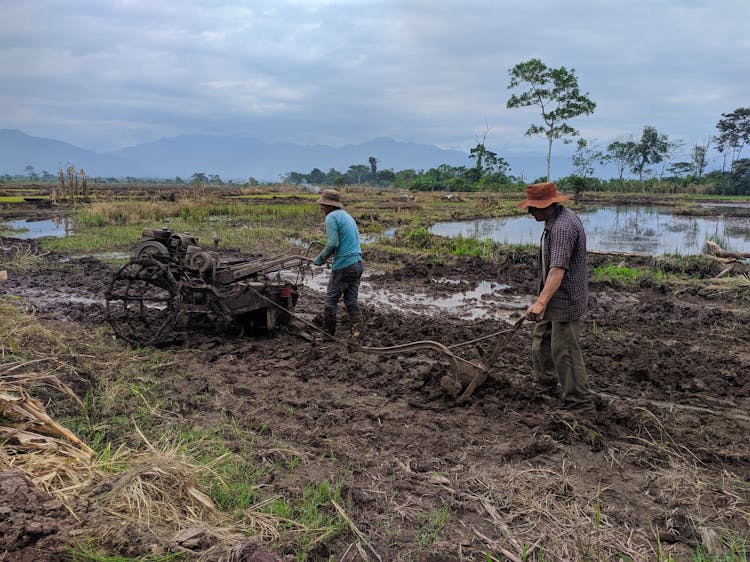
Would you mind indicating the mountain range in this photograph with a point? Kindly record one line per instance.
(233, 158)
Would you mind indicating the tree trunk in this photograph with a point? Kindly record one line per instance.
(549, 158)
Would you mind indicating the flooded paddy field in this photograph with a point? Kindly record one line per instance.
(660, 471)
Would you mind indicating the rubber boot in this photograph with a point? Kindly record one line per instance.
(329, 321)
(357, 322)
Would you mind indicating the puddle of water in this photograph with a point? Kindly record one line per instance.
(732, 205)
(113, 255)
(55, 228)
(486, 300)
(647, 230)
(370, 238)
(58, 299)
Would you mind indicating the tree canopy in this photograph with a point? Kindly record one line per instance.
(556, 93)
(734, 133)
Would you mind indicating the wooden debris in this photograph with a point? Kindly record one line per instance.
(26, 409)
(716, 250)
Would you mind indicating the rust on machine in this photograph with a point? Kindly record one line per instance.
(171, 287)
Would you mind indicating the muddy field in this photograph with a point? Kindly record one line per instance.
(661, 469)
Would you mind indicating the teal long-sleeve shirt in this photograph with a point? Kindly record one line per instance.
(343, 240)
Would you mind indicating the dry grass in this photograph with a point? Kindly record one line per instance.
(158, 491)
(19, 255)
(50, 455)
(126, 212)
(551, 515)
(544, 514)
(156, 488)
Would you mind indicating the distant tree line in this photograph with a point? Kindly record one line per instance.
(652, 159)
(489, 174)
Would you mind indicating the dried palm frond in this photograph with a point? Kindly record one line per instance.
(23, 408)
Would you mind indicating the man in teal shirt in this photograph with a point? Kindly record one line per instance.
(346, 269)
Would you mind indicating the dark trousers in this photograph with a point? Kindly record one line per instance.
(344, 281)
(556, 357)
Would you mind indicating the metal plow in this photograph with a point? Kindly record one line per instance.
(465, 376)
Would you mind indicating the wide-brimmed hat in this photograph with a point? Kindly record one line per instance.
(331, 198)
(542, 195)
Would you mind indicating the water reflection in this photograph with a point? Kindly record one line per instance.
(56, 227)
(647, 230)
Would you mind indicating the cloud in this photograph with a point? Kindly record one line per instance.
(107, 74)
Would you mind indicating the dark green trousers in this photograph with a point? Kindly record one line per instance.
(556, 357)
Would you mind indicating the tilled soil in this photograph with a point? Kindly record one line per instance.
(670, 366)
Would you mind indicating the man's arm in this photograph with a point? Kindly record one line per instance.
(332, 234)
(551, 285)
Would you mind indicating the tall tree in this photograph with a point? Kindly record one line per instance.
(356, 173)
(699, 157)
(741, 177)
(481, 153)
(486, 159)
(673, 148)
(586, 155)
(199, 177)
(373, 165)
(734, 133)
(651, 149)
(333, 175)
(316, 176)
(556, 93)
(681, 169)
(622, 154)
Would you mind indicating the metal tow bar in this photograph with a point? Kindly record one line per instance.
(465, 375)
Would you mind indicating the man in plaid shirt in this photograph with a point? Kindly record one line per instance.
(562, 301)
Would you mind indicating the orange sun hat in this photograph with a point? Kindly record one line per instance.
(542, 195)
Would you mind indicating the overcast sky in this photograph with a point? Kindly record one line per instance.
(106, 74)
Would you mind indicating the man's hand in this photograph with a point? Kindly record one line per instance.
(535, 312)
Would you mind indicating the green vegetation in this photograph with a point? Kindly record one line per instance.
(125, 418)
(117, 225)
(433, 523)
(89, 553)
(420, 239)
(313, 517)
(617, 274)
(556, 93)
(737, 552)
(95, 239)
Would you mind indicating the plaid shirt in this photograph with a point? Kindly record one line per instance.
(563, 245)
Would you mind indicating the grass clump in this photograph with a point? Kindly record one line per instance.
(434, 522)
(617, 274)
(471, 247)
(232, 482)
(313, 517)
(22, 337)
(86, 552)
(420, 237)
(700, 267)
